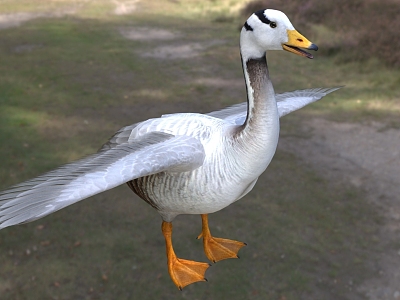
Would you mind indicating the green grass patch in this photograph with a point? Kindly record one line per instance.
(66, 84)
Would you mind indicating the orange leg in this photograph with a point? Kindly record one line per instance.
(183, 272)
(217, 249)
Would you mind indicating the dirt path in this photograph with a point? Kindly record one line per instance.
(19, 18)
(367, 156)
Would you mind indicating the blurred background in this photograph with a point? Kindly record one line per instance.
(322, 221)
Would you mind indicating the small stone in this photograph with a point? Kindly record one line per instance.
(396, 295)
(45, 243)
(28, 252)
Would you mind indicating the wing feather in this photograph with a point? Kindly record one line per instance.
(236, 114)
(120, 137)
(292, 101)
(287, 103)
(152, 153)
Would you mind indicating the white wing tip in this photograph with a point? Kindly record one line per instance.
(292, 101)
(329, 90)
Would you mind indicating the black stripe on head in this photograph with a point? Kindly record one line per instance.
(247, 26)
(262, 17)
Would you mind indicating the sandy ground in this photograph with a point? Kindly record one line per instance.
(367, 156)
(17, 19)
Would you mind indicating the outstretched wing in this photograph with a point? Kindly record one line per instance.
(120, 137)
(152, 153)
(236, 114)
(291, 101)
(287, 103)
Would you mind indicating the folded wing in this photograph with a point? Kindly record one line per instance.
(152, 153)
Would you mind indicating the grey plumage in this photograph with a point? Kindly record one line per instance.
(55, 190)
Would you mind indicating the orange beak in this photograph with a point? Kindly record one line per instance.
(297, 41)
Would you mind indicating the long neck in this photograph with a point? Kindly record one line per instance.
(261, 103)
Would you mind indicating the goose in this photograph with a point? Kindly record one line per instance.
(184, 163)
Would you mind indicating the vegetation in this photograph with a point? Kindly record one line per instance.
(68, 83)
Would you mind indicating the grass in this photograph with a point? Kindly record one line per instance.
(66, 84)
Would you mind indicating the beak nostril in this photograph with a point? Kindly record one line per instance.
(300, 40)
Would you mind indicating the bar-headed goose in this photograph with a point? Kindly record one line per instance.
(184, 163)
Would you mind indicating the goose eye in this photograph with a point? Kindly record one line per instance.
(272, 24)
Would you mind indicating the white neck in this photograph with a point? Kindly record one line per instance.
(248, 46)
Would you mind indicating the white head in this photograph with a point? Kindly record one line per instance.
(271, 29)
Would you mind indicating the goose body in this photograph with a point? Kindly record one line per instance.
(235, 155)
(184, 163)
(230, 166)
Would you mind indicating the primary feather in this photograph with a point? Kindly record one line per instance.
(287, 102)
(151, 153)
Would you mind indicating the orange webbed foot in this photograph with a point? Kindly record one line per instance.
(184, 272)
(217, 249)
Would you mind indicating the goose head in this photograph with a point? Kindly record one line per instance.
(271, 29)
